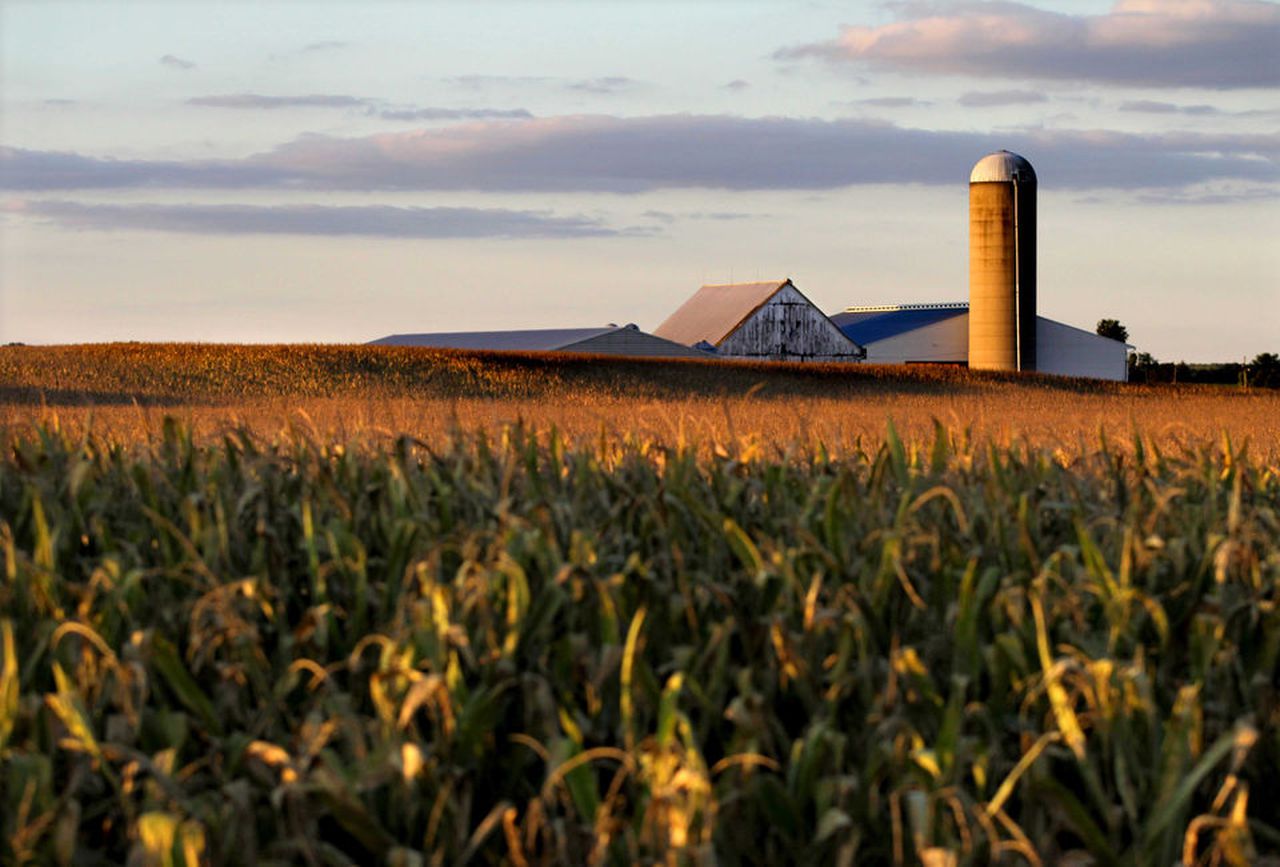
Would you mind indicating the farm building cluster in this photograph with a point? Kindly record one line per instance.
(996, 329)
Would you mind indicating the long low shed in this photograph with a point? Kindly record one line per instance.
(610, 340)
(939, 334)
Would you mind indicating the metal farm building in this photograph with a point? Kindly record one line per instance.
(609, 340)
(998, 328)
(772, 321)
(940, 334)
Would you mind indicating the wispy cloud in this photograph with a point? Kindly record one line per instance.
(635, 154)
(890, 102)
(1176, 43)
(1210, 197)
(375, 107)
(411, 114)
(174, 62)
(737, 84)
(477, 82)
(1150, 106)
(668, 217)
(257, 100)
(325, 45)
(606, 84)
(378, 221)
(996, 98)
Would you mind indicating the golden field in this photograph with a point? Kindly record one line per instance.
(345, 605)
(348, 392)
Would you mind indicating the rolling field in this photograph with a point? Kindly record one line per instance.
(336, 605)
(124, 391)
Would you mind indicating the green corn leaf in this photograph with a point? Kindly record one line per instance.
(8, 683)
(167, 661)
(747, 552)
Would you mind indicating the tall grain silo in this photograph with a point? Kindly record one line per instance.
(1002, 263)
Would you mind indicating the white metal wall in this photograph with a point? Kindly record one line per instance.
(1060, 349)
(1067, 351)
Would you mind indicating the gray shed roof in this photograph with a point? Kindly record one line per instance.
(715, 311)
(532, 340)
(609, 340)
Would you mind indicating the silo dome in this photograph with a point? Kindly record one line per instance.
(1002, 166)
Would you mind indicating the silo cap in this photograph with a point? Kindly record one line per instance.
(1002, 166)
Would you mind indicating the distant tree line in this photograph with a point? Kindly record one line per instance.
(1262, 372)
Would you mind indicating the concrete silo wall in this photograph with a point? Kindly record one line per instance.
(1002, 275)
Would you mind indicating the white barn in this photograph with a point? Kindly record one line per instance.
(939, 334)
(772, 320)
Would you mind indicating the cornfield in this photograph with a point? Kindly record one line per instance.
(122, 392)
(526, 648)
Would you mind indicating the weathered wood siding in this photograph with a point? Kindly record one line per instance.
(788, 327)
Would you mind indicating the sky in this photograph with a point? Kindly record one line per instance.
(336, 172)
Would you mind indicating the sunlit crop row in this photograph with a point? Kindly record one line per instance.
(517, 649)
(164, 373)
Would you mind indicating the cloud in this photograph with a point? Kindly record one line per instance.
(607, 84)
(1148, 106)
(1163, 43)
(1210, 197)
(602, 85)
(476, 82)
(58, 170)
(378, 221)
(173, 62)
(994, 98)
(374, 107)
(668, 217)
(1243, 196)
(721, 215)
(737, 84)
(890, 102)
(600, 153)
(325, 45)
(453, 114)
(257, 100)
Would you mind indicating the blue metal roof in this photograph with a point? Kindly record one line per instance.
(869, 327)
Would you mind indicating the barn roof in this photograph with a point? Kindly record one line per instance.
(869, 326)
(715, 311)
(531, 340)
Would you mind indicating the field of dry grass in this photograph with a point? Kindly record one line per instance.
(123, 391)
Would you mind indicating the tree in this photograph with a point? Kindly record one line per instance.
(1113, 329)
(1141, 366)
(1264, 370)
